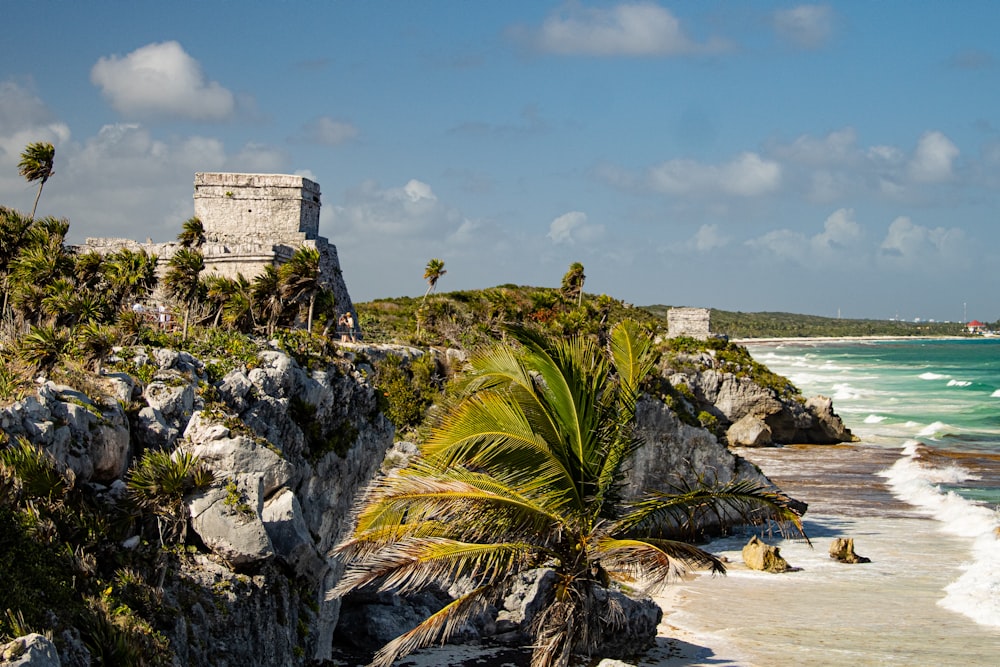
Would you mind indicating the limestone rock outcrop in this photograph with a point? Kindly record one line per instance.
(842, 550)
(732, 399)
(33, 650)
(757, 555)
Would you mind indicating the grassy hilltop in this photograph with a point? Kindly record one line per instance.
(468, 317)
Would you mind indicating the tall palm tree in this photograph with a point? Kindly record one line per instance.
(192, 233)
(572, 283)
(181, 280)
(300, 280)
(522, 472)
(36, 164)
(266, 292)
(432, 273)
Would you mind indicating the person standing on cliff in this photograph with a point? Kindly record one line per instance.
(350, 325)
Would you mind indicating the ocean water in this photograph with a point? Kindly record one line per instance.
(919, 494)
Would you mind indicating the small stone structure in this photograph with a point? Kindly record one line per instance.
(692, 322)
(250, 221)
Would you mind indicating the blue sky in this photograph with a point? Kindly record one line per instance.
(812, 158)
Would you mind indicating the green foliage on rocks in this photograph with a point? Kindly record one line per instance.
(407, 390)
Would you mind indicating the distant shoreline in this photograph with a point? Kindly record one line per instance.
(840, 339)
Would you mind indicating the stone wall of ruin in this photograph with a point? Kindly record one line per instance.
(691, 322)
(257, 207)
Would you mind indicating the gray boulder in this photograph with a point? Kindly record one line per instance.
(750, 431)
(31, 650)
(231, 526)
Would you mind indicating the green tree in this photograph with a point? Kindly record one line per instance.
(13, 236)
(572, 283)
(182, 280)
(300, 280)
(131, 275)
(94, 342)
(432, 273)
(267, 299)
(192, 233)
(521, 472)
(36, 164)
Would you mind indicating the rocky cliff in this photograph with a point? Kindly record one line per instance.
(290, 450)
(291, 447)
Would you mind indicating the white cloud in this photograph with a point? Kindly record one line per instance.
(911, 246)
(416, 191)
(24, 118)
(932, 161)
(708, 238)
(805, 26)
(836, 148)
(571, 227)
(407, 212)
(840, 232)
(627, 29)
(161, 79)
(747, 175)
(838, 244)
(329, 131)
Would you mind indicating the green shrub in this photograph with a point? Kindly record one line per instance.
(406, 391)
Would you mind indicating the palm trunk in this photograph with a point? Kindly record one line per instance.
(312, 305)
(37, 196)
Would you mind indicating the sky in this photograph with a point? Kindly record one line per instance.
(838, 159)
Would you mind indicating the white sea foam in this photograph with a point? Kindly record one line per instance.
(976, 593)
(844, 392)
(932, 376)
(958, 383)
(995, 394)
(931, 430)
(874, 419)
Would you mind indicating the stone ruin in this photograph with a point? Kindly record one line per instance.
(691, 322)
(250, 221)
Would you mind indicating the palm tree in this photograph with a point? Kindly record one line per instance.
(266, 292)
(192, 233)
(522, 472)
(13, 237)
(94, 342)
(300, 280)
(572, 283)
(131, 275)
(432, 273)
(181, 280)
(237, 312)
(37, 165)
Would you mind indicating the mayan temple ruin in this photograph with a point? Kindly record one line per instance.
(250, 221)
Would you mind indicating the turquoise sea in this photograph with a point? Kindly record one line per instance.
(919, 493)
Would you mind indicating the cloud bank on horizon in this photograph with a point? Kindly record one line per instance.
(815, 158)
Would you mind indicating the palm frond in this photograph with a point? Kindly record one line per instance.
(411, 564)
(652, 563)
(436, 628)
(473, 506)
(741, 501)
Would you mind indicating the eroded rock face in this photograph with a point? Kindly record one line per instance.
(89, 437)
(674, 455)
(734, 399)
(288, 467)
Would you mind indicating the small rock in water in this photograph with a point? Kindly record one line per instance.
(842, 550)
(760, 556)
